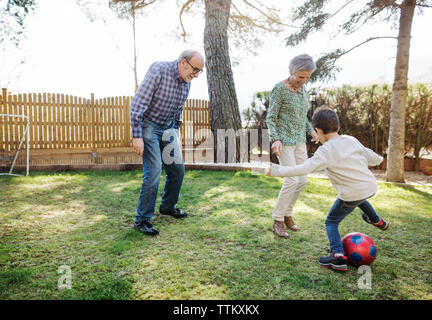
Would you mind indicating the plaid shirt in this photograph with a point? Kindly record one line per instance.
(160, 97)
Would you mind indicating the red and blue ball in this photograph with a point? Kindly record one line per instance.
(359, 248)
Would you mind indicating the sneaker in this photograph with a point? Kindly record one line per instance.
(382, 224)
(175, 212)
(146, 227)
(338, 263)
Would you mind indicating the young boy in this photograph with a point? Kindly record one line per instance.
(346, 162)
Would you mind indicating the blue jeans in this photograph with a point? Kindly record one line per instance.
(161, 150)
(338, 212)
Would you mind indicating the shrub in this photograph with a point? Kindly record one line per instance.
(364, 112)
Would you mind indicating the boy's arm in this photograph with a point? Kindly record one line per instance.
(317, 163)
(372, 158)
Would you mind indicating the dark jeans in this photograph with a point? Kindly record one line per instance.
(338, 212)
(161, 150)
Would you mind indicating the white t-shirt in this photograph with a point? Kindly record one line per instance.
(346, 162)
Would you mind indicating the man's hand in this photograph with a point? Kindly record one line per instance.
(277, 147)
(138, 145)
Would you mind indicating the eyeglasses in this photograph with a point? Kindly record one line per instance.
(195, 70)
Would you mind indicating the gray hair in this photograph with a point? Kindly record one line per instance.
(301, 63)
(187, 54)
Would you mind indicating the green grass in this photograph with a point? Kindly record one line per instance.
(225, 249)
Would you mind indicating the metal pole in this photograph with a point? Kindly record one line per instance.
(22, 140)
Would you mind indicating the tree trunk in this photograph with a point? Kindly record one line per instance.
(224, 109)
(396, 149)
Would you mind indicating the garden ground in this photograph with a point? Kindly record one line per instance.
(225, 249)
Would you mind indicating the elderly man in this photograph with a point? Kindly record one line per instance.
(156, 116)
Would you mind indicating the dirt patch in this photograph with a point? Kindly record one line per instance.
(411, 177)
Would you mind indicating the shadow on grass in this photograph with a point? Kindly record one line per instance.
(12, 279)
(415, 189)
(50, 230)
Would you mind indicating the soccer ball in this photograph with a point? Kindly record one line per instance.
(359, 249)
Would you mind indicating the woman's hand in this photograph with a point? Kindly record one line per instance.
(277, 147)
(315, 137)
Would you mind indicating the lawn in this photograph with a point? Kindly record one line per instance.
(225, 249)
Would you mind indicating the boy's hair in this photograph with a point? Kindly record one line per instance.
(325, 119)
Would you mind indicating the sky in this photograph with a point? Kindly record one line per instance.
(64, 52)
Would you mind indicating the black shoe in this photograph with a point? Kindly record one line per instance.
(336, 263)
(176, 213)
(382, 224)
(146, 227)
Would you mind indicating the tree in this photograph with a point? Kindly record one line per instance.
(13, 14)
(124, 9)
(313, 18)
(12, 17)
(256, 114)
(224, 109)
(243, 21)
(129, 9)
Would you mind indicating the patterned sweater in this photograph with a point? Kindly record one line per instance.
(287, 115)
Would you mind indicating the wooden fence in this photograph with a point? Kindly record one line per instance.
(65, 129)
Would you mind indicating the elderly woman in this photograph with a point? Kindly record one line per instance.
(288, 125)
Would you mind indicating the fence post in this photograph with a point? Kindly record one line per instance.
(3, 119)
(92, 129)
(3, 104)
